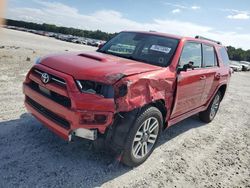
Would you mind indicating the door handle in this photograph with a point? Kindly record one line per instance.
(203, 77)
(217, 76)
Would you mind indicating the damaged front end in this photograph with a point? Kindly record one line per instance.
(85, 103)
(132, 94)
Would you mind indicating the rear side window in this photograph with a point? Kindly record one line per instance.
(209, 57)
(224, 56)
(191, 52)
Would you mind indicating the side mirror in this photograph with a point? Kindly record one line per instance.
(180, 69)
(185, 68)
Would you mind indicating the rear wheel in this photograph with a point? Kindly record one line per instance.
(209, 114)
(143, 137)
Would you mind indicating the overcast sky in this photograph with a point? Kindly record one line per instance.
(224, 20)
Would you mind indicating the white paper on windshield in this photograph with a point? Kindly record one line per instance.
(159, 48)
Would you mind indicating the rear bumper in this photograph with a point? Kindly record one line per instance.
(62, 120)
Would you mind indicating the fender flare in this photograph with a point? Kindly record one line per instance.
(217, 89)
(116, 134)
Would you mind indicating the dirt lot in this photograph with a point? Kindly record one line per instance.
(190, 154)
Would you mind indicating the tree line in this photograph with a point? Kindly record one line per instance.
(98, 34)
(236, 54)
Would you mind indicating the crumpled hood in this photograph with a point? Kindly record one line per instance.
(96, 66)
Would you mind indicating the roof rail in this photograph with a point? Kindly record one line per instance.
(204, 38)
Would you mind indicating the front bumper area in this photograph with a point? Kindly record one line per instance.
(62, 119)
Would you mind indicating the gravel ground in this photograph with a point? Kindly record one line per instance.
(190, 154)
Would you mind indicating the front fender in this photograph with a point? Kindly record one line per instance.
(144, 89)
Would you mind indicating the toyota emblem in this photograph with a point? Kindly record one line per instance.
(45, 78)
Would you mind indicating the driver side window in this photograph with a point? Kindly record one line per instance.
(191, 53)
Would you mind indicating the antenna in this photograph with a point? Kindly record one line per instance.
(204, 38)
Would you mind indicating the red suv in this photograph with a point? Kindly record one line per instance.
(129, 90)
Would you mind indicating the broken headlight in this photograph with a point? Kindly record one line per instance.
(122, 91)
(98, 88)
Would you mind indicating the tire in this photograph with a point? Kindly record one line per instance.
(143, 137)
(209, 114)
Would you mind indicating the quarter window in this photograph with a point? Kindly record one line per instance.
(224, 56)
(191, 52)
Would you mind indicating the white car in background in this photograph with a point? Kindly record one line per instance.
(236, 66)
(245, 66)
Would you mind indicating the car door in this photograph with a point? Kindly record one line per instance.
(190, 83)
(210, 63)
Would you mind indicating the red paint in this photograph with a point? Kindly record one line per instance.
(97, 66)
(184, 94)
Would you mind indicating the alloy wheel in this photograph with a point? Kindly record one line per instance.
(215, 106)
(145, 138)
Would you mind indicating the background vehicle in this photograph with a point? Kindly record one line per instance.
(79, 40)
(246, 62)
(235, 66)
(245, 66)
(126, 93)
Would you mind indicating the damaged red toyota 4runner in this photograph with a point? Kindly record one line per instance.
(129, 90)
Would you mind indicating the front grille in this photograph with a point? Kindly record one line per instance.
(48, 114)
(62, 100)
(54, 79)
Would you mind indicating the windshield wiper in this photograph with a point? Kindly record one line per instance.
(136, 59)
(107, 52)
(114, 54)
(126, 57)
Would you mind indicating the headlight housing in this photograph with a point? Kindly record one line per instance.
(122, 90)
(86, 86)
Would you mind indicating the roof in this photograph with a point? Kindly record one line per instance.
(157, 33)
(177, 37)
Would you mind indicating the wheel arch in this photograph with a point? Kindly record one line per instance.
(222, 90)
(124, 120)
(160, 104)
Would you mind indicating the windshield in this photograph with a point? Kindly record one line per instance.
(147, 48)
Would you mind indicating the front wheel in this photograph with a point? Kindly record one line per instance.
(209, 114)
(143, 137)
